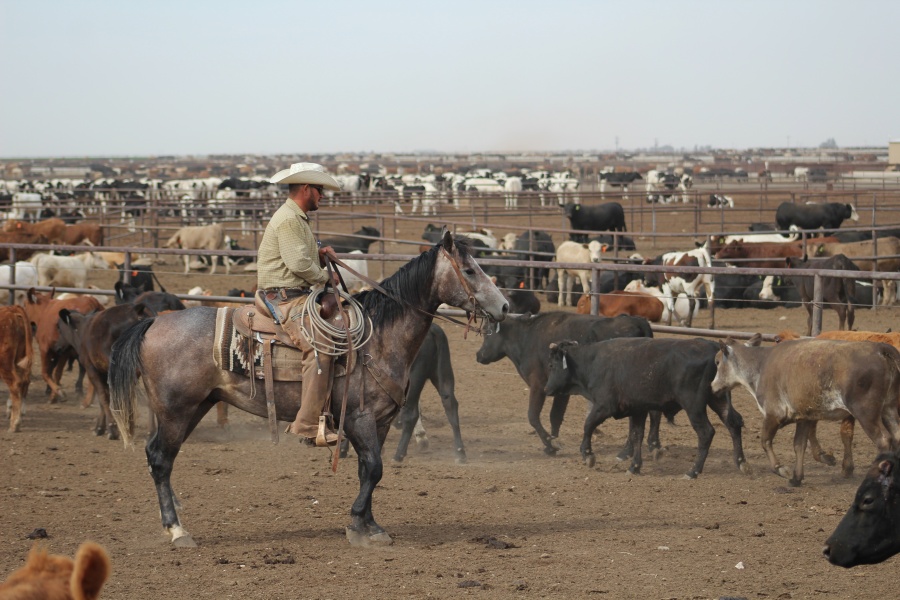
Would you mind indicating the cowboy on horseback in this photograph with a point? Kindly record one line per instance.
(289, 264)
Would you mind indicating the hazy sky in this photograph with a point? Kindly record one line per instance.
(132, 77)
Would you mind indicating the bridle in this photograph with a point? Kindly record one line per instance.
(469, 325)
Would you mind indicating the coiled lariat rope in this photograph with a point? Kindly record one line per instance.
(332, 338)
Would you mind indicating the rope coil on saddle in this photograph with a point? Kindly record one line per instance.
(332, 339)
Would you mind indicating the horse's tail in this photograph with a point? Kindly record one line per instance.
(124, 369)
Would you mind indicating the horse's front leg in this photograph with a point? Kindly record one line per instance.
(363, 433)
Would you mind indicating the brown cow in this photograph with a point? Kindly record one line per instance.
(16, 356)
(52, 229)
(56, 577)
(80, 232)
(761, 255)
(43, 312)
(804, 381)
(636, 304)
(892, 339)
(863, 255)
(20, 238)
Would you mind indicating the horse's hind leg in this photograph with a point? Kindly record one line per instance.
(162, 449)
(409, 414)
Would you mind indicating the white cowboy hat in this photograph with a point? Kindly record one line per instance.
(310, 173)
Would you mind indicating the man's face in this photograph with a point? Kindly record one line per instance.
(315, 196)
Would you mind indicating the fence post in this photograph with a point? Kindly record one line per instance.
(595, 291)
(12, 276)
(818, 297)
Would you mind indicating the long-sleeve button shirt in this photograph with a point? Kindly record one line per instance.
(288, 255)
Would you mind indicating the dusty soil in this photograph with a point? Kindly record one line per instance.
(511, 522)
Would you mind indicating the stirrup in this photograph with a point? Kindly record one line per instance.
(324, 436)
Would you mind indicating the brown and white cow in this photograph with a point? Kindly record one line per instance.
(636, 304)
(688, 284)
(43, 312)
(805, 381)
(16, 356)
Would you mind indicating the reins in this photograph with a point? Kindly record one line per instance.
(331, 264)
(468, 326)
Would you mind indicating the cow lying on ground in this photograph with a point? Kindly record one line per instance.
(681, 303)
(869, 533)
(615, 377)
(55, 577)
(838, 293)
(613, 304)
(16, 356)
(526, 341)
(804, 381)
(200, 237)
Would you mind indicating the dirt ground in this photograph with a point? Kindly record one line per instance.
(511, 522)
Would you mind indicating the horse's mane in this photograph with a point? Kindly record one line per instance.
(410, 283)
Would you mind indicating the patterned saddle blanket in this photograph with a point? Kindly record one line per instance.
(242, 355)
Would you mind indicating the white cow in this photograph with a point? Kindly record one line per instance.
(26, 274)
(573, 252)
(66, 271)
(26, 205)
(354, 283)
(200, 237)
(511, 189)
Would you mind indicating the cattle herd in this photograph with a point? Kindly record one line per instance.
(610, 357)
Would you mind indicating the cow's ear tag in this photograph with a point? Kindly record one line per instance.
(565, 366)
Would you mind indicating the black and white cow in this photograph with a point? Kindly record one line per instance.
(631, 377)
(349, 243)
(618, 180)
(720, 201)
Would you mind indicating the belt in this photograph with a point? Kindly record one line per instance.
(285, 293)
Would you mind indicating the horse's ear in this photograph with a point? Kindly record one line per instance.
(447, 240)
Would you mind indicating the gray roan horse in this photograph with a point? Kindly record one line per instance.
(180, 392)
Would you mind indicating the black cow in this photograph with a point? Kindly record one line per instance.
(813, 216)
(605, 217)
(838, 293)
(522, 301)
(630, 377)
(622, 242)
(155, 301)
(870, 531)
(541, 245)
(142, 276)
(432, 364)
(526, 342)
(349, 243)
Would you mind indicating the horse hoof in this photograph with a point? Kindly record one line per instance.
(782, 472)
(549, 451)
(590, 460)
(634, 470)
(98, 431)
(794, 482)
(554, 443)
(827, 459)
(357, 538)
(745, 468)
(461, 458)
(847, 473)
(184, 541)
(690, 475)
(656, 454)
(396, 459)
(113, 435)
(422, 444)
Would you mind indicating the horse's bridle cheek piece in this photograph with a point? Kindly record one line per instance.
(466, 288)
